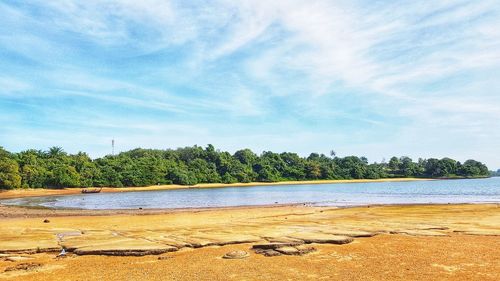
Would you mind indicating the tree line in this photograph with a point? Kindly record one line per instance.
(55, 168)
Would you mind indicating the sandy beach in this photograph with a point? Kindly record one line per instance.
(412, 242)
(249, 140)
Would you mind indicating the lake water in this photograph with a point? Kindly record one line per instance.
(415, 192)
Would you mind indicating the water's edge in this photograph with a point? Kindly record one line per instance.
(338, 195)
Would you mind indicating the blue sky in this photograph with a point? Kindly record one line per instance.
(366, 78)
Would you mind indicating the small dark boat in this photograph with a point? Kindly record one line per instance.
(91, 190)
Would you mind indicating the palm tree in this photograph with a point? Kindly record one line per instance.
(333, 153)
(55, 152)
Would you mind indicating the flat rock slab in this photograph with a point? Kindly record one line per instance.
(298, 250)
(351, 233)
(283, 240)
(20, 250)
(419, 232)
(194, 242)
(17, 258)
(268, 252)
(322, 238)
(221, 239)
(486, 232)
(160, 237)
(29, 242)
(126, 247)
(63, 235)
(178, 243)
(288, 250)
(274, 246)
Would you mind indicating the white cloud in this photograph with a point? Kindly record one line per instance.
(237, 56)
(9, 85)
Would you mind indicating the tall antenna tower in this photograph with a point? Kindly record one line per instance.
(113, 147)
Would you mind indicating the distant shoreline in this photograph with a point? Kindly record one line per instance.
(20, 193)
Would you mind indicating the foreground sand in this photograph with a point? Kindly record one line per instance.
(421, 242)
(383, 257)
(17, 193)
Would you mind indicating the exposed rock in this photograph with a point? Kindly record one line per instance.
(283, 240)
(46, 221)
(271, 250)
(199, 243)
(125, 247)
(161, 258)
(236, 255)
(274, 246)
(288, 250)
(28, 240)
(30, 250)
(419, 232)
(221, 239)
(304, 249)
(267, 252)
(277, 249)
(23, 266)
(295, 251)
(17, 258)
(125, 252)
(177, 242)
(322, 238)
(484, 232)
(352, 233)
(63, 235)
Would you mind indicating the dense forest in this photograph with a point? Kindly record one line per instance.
(191, 165)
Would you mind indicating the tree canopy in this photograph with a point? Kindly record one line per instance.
(55, 168)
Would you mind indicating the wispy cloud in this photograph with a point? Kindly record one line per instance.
(361, 76)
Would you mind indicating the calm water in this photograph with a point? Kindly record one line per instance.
(447, 191)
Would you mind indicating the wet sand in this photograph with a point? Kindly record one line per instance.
(18, 193)
(412, 242)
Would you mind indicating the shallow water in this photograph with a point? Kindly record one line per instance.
(414, 192)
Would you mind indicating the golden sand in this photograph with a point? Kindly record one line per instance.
(383, 257)
(419, 242)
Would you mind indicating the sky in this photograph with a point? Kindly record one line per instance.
(361, 77)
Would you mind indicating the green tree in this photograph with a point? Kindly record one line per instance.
(246, 156)
(473, 168)
(394, 164)
(34, 176)
(313, 170)
(204, 172)
(267, 173)
(407, 167)
(9, 174)
(64, 176)
(55, 152)
(192, 165)
(180, 175)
